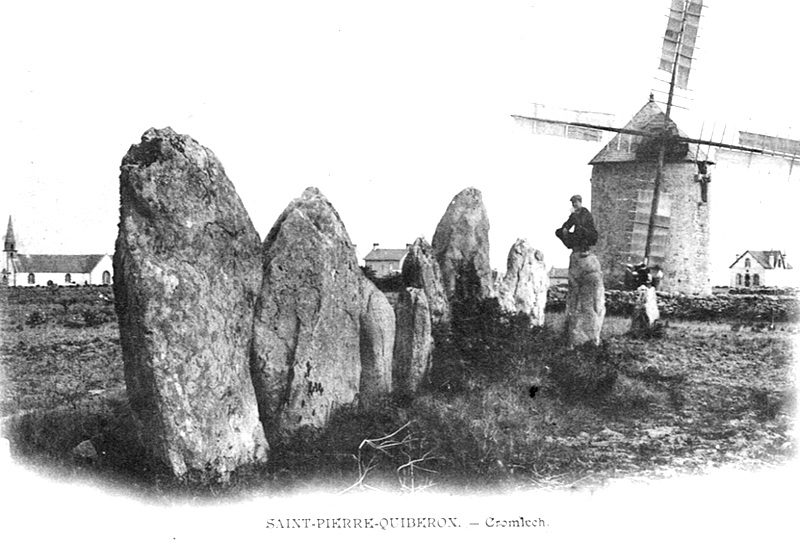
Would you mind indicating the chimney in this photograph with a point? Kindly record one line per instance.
(375, 245)
(772, 260)
(408, 246)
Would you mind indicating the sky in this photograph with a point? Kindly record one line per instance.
(390, 109)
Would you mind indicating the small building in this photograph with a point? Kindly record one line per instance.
(762, 269)
(385, 262)
(66, 270)
(558, 276)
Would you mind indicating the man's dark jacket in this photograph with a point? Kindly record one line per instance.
(585, 233)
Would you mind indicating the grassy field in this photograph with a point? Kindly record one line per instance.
(507, 408)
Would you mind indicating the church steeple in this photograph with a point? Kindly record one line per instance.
(10, 243)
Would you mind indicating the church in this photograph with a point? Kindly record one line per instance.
(47, 270)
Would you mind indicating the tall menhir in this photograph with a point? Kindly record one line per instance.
(186, 273)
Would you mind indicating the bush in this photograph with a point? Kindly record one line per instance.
(36, 318)
(483, 342)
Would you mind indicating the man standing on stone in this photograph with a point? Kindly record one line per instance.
(578, 233)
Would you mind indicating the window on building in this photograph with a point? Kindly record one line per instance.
(67, 278)
(747, 263)
(747, 280)
(738, 280)
(755, 280)
(106, 278)
(31, 278)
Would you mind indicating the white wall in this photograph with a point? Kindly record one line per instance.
(106, 264)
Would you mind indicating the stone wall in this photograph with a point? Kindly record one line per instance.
(614, 194)
(720, 307)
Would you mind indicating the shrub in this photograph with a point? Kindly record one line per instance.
(483, 342)
(36, 318)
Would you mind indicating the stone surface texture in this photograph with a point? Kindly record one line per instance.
(413, 348)
(376, 342)
(421, 271)
(186, 273)
(306, 358)
(461, 246)
(586, 306)
(523, 288)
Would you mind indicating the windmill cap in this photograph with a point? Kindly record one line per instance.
(576, 198)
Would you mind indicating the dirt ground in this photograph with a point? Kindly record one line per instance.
(711, 394)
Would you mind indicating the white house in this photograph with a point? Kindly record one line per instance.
(762, 269)
(65, 270)
(385, 262)
(32, 270)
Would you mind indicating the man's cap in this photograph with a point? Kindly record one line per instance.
(576, 198)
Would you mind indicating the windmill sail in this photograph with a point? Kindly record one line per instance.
(679, 39)
(567, 123)
(774, 155)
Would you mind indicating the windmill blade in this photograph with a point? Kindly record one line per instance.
(580, 128)
(771, 145)
(757, 151)
(567, 123)
(679, 40)
(727, 146)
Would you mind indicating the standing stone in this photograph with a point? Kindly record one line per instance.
(413, 347)
(377, 344)
(186, 272)
(586, 305)
(306, 333)
(523, 288)
(421, 271)
(645, 312)
(461, 245)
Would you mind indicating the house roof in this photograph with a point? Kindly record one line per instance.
(378, 254)
(763, 257)
(57, 264)
(624, 146)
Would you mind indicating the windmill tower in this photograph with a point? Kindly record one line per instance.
(622, 194)
(650, 182)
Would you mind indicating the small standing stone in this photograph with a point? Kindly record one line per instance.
(645, 313)
(413, 348)
(523, 288)
(377, 344)
(586, 306)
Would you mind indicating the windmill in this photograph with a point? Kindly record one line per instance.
(650, 193)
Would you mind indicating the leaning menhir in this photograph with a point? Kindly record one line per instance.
(186, 273)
